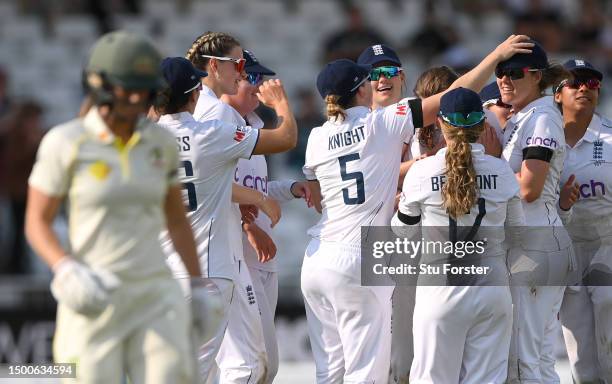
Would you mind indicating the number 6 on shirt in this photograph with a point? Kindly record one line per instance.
(189, 187)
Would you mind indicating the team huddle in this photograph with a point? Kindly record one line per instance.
(171, 277)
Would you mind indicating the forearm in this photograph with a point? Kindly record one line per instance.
(280, 190)
(478, 77)
(283, 137)
(243, 195)
(43, 240)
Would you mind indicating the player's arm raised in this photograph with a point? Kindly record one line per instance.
(478, 76)
(284, 136)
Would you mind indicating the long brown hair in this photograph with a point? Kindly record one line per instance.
(212, 44)
(460, 191)
(432, 81)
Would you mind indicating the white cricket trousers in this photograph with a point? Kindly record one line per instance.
(348, 324)
(242, 355)
(461, 335)
(586, 315)
(266, 291)
(144, 333)
(536, 309)
(402, 351)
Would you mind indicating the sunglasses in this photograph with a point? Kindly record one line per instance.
(576, 83)
(197, 87)
(254, 78)
(239, 63)
(387, 72)
(513, 73)
(458, 119)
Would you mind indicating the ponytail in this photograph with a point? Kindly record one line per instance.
(460, 191)
(333, 108)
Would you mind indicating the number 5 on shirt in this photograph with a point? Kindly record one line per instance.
(357, 176)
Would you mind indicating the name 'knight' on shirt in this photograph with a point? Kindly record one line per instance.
(343, 139)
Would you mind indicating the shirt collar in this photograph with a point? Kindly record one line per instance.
(592, 131)
(544, 101)
(180, 117)
(353, 113)
(94, 125)
(207, 91)
(477, 149)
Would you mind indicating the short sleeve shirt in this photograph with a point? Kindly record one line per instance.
(116, 192)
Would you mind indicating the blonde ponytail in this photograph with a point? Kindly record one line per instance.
(333, 108)
(460, 191)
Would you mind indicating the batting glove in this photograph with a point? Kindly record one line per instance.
(78, 287)
(207, 307)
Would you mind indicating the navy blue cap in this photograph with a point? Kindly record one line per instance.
(252, 64)
(578, 65)
(341, 77)
(377, 54)
(182, 77)
(490, 92)
(460, 100)
(537, 59)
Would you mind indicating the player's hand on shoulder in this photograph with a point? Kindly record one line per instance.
(300, 189)
(272, 93)
(271, 208)
(261, 242)
(512, 45)
(569, 193)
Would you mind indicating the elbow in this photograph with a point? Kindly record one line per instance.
(531, 195)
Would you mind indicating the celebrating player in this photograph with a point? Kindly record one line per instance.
(120, 312)
(534, 148)
(242, 356)
(259, 248)
(353, 163)
(586, 312)
(462, 333)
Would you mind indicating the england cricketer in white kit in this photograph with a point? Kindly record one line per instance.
(258, 247)
(462, 333)
(586, 312)
(534, 146)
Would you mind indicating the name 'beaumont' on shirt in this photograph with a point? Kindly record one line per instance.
(344, 139)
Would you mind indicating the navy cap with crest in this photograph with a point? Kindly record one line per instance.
(537, 59)
(342, 77)
(490, 93)
(379, 53)
(578, 66)
(252, 65)
(180, 74)
(461, 107)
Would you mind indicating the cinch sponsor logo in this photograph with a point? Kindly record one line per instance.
(543, 141)
(251, 181)
(591, 189)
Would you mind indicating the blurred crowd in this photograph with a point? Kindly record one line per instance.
(566, 28)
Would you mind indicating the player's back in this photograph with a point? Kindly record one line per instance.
(356, 163)
(208, 153)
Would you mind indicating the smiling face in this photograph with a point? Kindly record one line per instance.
(520, 92)
(578, 100)
(245, 100)
(386, 90)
